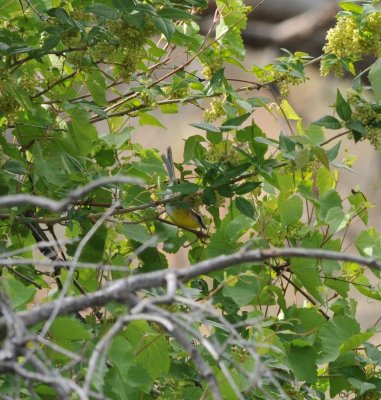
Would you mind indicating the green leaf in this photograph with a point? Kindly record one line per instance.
(363, 286)
(358, 129)
(83, 134)
(185, 188)
(231, 39)
(151, 349)
(246, 187)
(206, 127)
(214, 138)
(191, 145)
(136, 232)
(151, 258)
(361, 386)
(22, 97)
(169, 108)
(215, 83)
(315, 134)
(225, 240)
(290, 210)
(327, 201)
(93, 251)
(125, 378)
(117, 140)
(342, 107)
(166, 27)
(325, 180)
(243, 291)
(329, 122)
(209, 196)
(302, 158)
(349, 6)
(90, 106)
(355, 341)
(150, 164)
(105, 158)
(69, 328)
(249, 134)
(286, 144)
(96, 84)
(336, 219)
(338, 381)
(101, 10)
(43, 168)
(373, 353)
(15, 167)
(360, 204)
(307, 272)
(174, 13)
(61, 15)
(334, 334)
(20, 295)
(245, 207)
(235, 122)
(231, 173)
(339, 286)
(121, 354)
(321, 155)
(375, 79)
(9, 8)
(303, 363)
(368, 243)
(124, 5)
(289, 111)
(309, 318)
(265, 140)
(333, 151)
(148, 119)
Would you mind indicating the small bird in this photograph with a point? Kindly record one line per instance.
(180, 211)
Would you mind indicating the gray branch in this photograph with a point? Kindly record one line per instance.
(123, 290)
(62, 205)
(118, 290)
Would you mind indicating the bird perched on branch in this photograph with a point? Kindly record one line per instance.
(179, 210)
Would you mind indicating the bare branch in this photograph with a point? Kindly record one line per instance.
(62, 205)
(118, 290)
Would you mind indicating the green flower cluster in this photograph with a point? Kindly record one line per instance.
(284, 79)
(287, 70)
(367, 114)
(128, 50)
(179, 93)
(29, 83)
(8, 104)
(72, 39)
(215, 111)
(350, 40)
(212, 62)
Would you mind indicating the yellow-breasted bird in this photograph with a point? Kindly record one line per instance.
(180, 211)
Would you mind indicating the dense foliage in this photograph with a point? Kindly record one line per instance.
(77, 81)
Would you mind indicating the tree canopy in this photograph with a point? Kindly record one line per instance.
(92, 304)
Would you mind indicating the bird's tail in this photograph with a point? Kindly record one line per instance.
(168, 161)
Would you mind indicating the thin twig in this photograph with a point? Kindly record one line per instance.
(334, 137)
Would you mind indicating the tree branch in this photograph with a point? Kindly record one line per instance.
(62, 205)
(118, 290)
